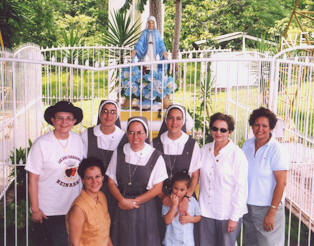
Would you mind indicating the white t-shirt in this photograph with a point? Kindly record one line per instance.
(104, 141)
(140, 158)
(223, 182)
(176, 147)
(59, 183)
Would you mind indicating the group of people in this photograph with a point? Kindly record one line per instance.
(110, 187)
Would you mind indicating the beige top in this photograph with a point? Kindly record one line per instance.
(96, 228)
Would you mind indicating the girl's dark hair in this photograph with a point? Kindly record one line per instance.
(90, 162)
(263, 112)
(224, 117)
(182, 176)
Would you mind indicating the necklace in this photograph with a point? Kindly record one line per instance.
(63, 143)
(131, 174)
(172, 164)
(173, 159)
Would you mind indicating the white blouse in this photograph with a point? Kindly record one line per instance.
(176, 147)
(223, 182)
(104, 141)
(140, 158)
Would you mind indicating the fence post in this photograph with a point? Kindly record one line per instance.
(273, 85)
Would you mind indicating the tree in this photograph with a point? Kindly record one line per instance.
(206, 19)
(154, 10)
(10, 21)
(26, 21)
(177, 29)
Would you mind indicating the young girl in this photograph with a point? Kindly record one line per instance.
(179, 229)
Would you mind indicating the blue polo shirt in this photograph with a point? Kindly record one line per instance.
(261, 179)
(178, 234)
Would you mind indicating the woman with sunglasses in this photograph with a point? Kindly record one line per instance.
(136, 173)
(223, 185)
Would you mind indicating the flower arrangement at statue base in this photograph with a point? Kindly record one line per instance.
(149, 89)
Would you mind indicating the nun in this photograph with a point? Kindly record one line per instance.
(135, 177)
(101, 140)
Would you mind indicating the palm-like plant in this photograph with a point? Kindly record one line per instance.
(121, 31)
(206, 90)
(70, 39)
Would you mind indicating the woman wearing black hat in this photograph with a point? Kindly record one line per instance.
(100, 141)
(53, 181)
(136, 173)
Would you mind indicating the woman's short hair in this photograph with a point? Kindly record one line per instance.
(90, 162)
(182, 176)
(224, 117)
(263, 112)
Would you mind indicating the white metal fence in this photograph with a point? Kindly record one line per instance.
(206, 81)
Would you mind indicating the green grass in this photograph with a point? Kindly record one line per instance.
(87, 84)
(90, 85)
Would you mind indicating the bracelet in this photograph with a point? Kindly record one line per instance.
(273, 206)
(188, 197)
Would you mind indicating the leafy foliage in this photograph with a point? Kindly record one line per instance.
(121, 31)
(43, 21)
(26, 21)
(18, 156)
(140, 5)
(207, 19)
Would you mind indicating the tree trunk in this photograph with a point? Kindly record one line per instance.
(155, 9)
(177, 28)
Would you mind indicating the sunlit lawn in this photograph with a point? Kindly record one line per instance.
(88, 88)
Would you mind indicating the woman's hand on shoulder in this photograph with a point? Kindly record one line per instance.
(128, 204)
(187, 218)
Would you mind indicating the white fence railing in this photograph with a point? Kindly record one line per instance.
(221, 81)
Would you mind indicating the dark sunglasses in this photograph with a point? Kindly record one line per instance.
(215, 129)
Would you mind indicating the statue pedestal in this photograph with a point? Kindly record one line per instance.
(135, 104)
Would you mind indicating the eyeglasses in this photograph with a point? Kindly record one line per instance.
(66, 119)
(138, 133)
(106, 111)
(222, 130)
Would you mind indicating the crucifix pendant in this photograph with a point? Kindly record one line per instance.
(130, 183)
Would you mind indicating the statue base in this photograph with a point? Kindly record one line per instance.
(136, 104)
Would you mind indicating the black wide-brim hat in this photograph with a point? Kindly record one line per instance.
(63, 106)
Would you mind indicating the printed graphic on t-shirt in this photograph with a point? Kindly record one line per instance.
(70, 176)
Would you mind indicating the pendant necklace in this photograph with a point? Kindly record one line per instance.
(172, 165)
(131, 173)
(63, 143)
